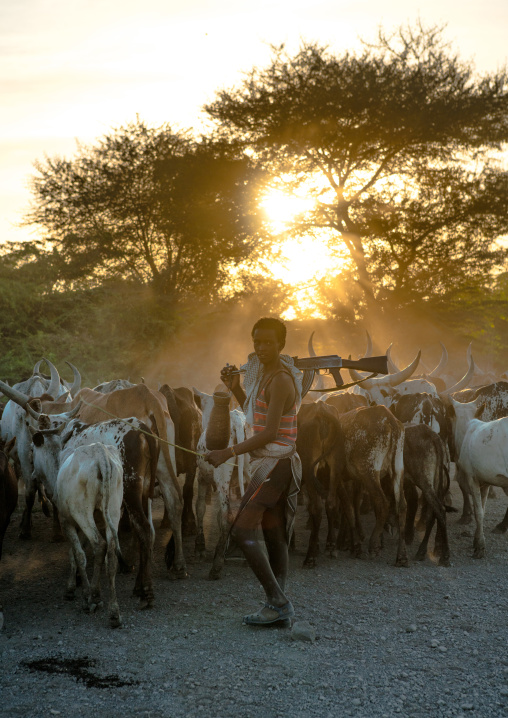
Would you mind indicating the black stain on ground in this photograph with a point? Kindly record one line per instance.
(79, 669)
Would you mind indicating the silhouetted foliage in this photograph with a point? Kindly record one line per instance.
(151, 205)
(399, 144)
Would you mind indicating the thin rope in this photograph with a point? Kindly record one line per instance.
(149, 433)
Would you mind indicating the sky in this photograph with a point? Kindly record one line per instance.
(70, 70)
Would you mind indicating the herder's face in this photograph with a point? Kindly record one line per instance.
(266, 345)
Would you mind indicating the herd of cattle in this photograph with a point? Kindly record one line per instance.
(371, 447)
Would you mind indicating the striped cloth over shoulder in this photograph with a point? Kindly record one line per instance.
(286, 435)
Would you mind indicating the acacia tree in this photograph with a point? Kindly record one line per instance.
(151, 205)
(400, 146)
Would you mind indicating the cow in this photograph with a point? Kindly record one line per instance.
(318, 429)
(344, 401)
(221, 478)
(108, 386)
(482, 448)
(150, 407)
(139, 454)
(371, 454)
(82, 480)
(492, 403)
(186, 417)
(425, 468)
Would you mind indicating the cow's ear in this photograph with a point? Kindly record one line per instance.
(38, 438)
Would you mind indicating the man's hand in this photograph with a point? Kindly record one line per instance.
(218, 456)
(232, 382)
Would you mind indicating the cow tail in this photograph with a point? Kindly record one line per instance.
(332, 440)
(161, 430)
(107, 468)
(398, 456)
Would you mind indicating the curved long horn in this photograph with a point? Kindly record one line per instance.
(18, 398)
(465, 379)
(37, 368)
(76, 386)
(391, 379)
(442, 362)
(33, 413)
(392, 367)
(54, 385)
(310, 346)
(70, 414)
(469, 355)
(368, 353)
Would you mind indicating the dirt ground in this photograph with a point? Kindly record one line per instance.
(422, 641)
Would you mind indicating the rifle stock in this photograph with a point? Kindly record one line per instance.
(374, 365)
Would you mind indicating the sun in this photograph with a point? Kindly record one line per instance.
(282, 208)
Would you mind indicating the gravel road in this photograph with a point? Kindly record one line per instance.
(423, 641)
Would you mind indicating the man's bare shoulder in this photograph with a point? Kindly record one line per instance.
(282, 383)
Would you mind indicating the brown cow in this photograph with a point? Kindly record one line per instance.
(187, 420)
(372, 455)
(318, 427)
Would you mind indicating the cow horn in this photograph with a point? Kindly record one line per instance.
(37, 368)
(13, 394)
(310, 346)
(34, 414)
(368, 353)
(392, 367)
(54, 385)
(72, 413)
(76, 385)
(391, 379)
(469, 355)
(465, 379)
(18, 398)
(442, 362)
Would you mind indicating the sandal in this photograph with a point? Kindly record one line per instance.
(270, 614)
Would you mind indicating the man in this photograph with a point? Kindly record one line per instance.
(272, 397)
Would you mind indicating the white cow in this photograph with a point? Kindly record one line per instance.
(221, 478)
(482, 449)
(90, 478)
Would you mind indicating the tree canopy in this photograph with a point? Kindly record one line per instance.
(151, 205)
(400, 146)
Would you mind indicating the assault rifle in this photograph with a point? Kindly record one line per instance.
(332, 364)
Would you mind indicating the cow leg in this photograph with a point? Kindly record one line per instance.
(80, 559)
(218, 558)
(350, 516)
(331, 537)
(437, 512)
(502, 526)
(143, 528)
(99, 547)
(188, 520)
(200, 514)
(26, 518)
(479, 538)
(411, 495)
(70, 591)
(112, 565)
(422, 548)
(467, 510)
(174, 506)
(223, 480)
(57, 530)
(401, 509)
(380, 510)
(315, 515)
